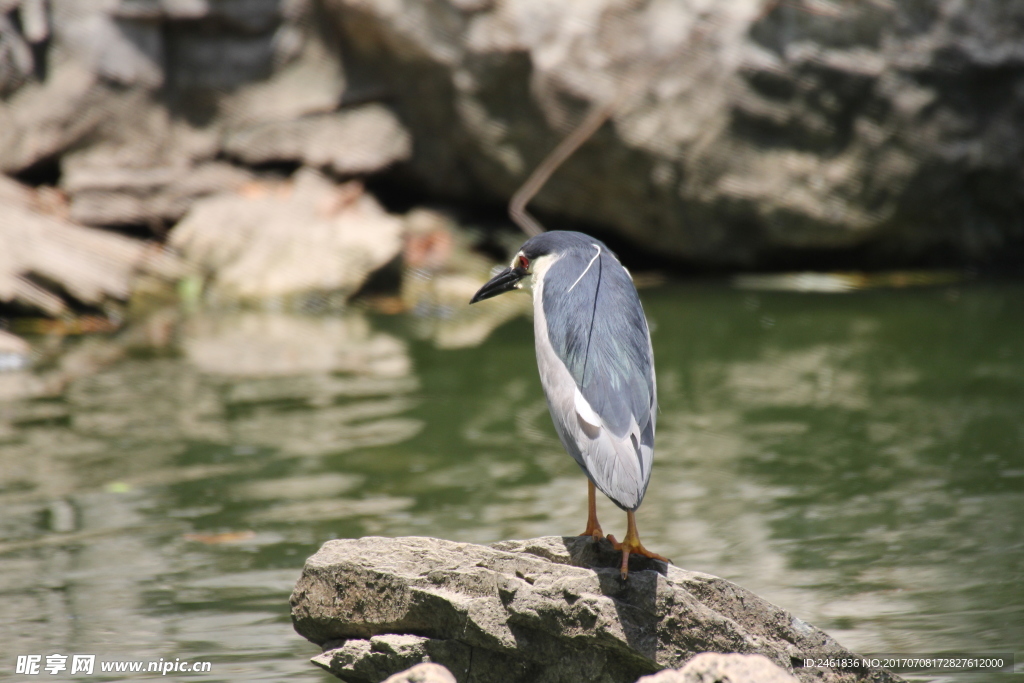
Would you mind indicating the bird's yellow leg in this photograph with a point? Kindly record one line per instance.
(631, 545)
(593, 526)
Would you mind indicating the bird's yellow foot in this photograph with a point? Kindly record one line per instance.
(631, 545)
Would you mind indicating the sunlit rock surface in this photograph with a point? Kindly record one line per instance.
(287, 241)
(711, 667)
(426, 672)
(360, 140)
(546, 609)
(90, 266)
(741, 130)
(106, 192)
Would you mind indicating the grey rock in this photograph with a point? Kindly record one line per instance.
(118, 195)
(388, 657)
(188, 43)
(355, 141)
(126, 156)
(546, 609)
(423, 673)
(202, 59)
(89, 265)
(42, 120)
(308, 79)
(253, 16)
(97, 105)
(16, 61)
(121, 51)
(142, 165)
(34, 21)
(711, 667)
(747, 129)
(247, 243)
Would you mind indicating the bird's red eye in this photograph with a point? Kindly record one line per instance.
(524, 262)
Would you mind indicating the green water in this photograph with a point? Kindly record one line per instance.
(857, 459)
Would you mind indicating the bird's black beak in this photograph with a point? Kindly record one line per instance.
(505, 281)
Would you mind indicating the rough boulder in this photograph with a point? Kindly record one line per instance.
(546, 609)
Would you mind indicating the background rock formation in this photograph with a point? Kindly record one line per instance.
(747, 133)
(751, 131)
(38, 245)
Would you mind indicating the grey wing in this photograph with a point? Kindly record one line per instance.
(600, 380)
(619, 466)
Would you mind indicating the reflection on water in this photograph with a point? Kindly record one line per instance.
(857, 459)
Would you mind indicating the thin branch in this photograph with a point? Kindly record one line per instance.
(595, 118)
(598, 114)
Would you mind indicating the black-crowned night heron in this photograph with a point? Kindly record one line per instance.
(596, 366)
